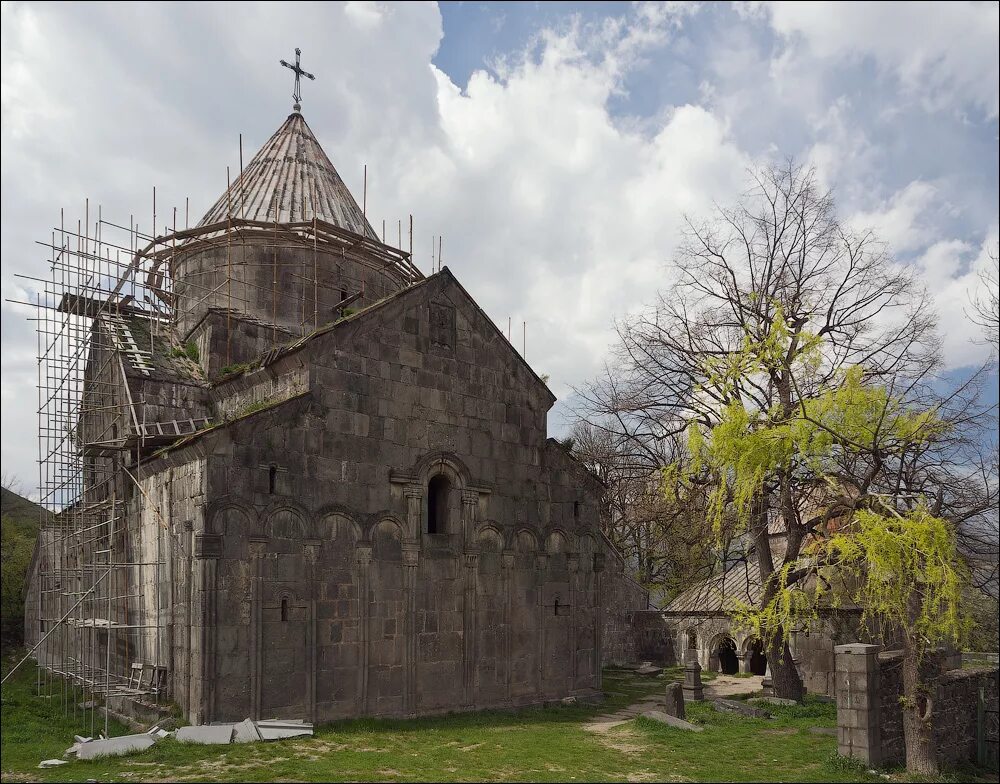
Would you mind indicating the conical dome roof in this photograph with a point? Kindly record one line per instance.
(291, 179)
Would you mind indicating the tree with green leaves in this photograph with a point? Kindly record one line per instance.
(876, 471)
(802, 361)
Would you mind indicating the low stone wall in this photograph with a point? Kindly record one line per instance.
(956, 733)
(870, 716)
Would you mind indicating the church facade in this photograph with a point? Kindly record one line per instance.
(365, 516)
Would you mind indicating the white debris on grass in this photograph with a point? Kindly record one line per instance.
(114, 747)
(246, 731)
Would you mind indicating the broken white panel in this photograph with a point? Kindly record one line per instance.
(114, 747)
(208, 734)
(246, 732)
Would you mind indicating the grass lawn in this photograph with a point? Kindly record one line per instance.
(548, 744)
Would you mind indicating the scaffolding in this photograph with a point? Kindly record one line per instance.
(104, 317)
(98, 633)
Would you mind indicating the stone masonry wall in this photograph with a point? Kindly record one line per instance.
(621, 595)
(321, 589)
(870, 718)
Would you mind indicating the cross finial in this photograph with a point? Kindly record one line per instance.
(297, 70)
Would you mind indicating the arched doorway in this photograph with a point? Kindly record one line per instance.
(756, 660)
(729, 662)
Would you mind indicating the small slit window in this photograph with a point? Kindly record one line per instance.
(438, 492)
(284, 609)
(272, 476)
(555, 606)
(576, 510)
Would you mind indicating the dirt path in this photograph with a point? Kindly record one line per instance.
(722, 686)
(726, 686)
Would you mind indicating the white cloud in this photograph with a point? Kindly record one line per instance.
(365, 15)
(951, 271)
(943, 53)
(902, 221)
(554, 211)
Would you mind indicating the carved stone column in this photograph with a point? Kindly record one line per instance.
(256, 549)
(598, 619)
(363, 556)
(507, 566)
(573, 563)
(471, 561)
(470, 511)
(311, 551)
(541, 567)
(414, 495)
(411, 560)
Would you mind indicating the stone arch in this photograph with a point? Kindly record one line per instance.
(338, 525)
(557, 541)
(386, 537)
(286, 522)
(231, 518)
(722, 654)
(489, 537)
(445, 463)
(385, 523)
(442, 476)
(525, 541)
(754, 658)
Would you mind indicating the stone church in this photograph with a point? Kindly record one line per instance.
(344, 468)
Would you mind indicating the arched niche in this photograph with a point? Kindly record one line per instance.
(489, 539)
(338, 528)
(556, 543)
(286, 523)
(387, 540)
(231, 519)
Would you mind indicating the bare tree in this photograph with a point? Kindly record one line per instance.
(986, 304)
(779, 258)
(665, 541)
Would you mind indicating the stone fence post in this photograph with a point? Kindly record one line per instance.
(858, 727)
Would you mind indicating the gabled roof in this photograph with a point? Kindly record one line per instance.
(442, 278)
(291, 179)
(714, 595)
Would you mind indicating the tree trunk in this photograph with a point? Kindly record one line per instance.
(784, 676)
(918, 707)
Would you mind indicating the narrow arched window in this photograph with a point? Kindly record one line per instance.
(272, 475)
(284, 609)
(438, 491)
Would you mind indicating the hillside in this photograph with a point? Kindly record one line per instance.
(19, 521)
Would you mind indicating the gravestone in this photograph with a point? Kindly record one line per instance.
(693, 690)
(766, 684)
(674, 704)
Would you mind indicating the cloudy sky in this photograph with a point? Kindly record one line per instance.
(556, 146)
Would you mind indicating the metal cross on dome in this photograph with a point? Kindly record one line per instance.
(297, 70)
